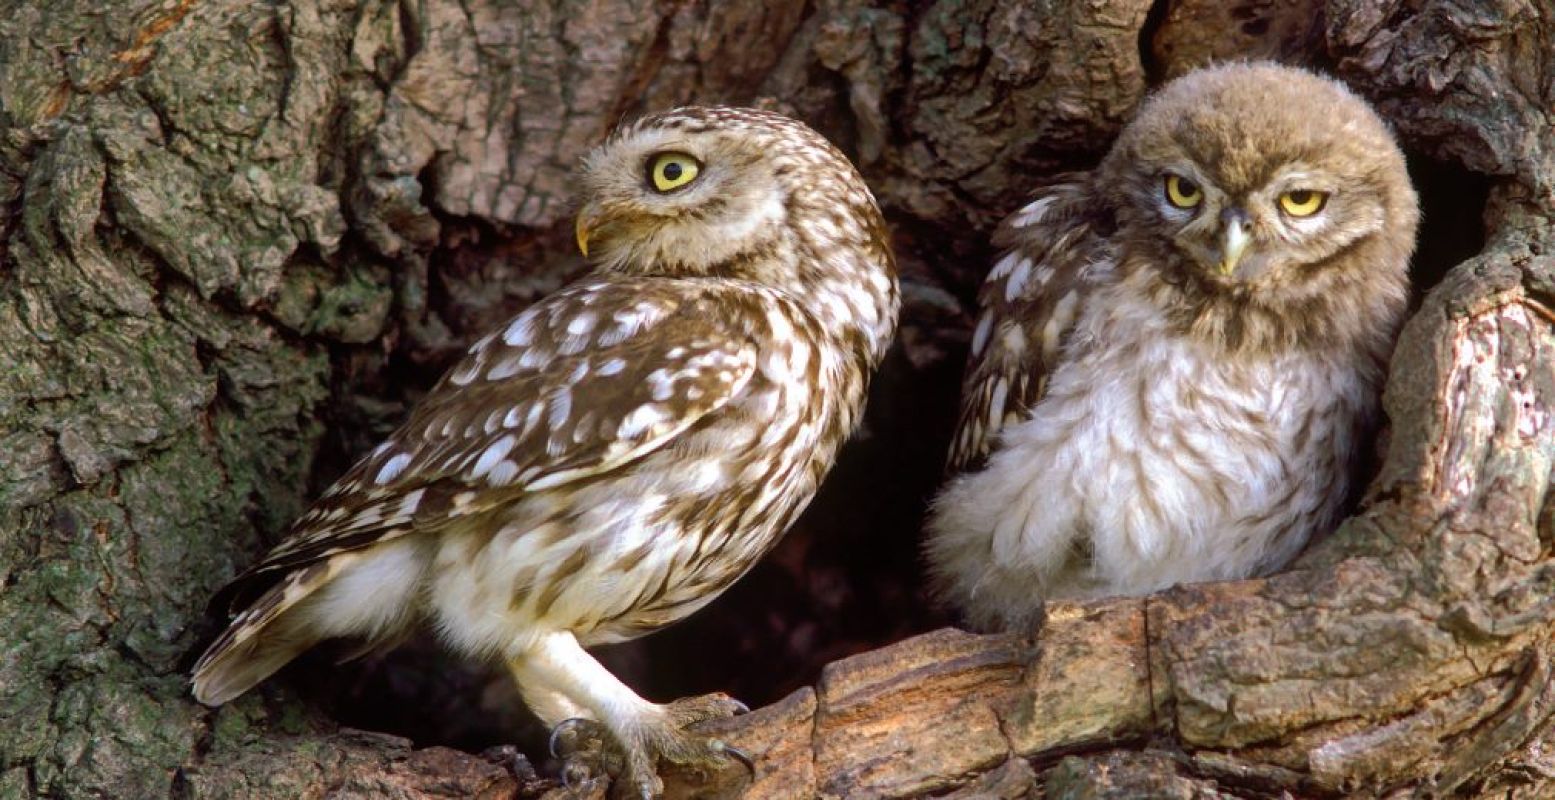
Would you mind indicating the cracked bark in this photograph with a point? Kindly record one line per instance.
(237, 241)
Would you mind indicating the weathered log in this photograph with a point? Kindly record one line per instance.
(237, 239)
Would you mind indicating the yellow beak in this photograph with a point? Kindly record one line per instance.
(582, 230)
(1234, 238)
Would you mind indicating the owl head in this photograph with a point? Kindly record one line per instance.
(1256, 179)
(712, 191)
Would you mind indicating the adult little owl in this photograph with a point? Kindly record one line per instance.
(619, 453)
(1177, 363)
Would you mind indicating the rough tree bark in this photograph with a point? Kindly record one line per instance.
(237, 239)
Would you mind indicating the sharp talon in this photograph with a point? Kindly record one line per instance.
(557, 732)
(738, 755)
(739, 707)
(551, 744)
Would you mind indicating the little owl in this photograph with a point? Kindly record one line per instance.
(1177, 363)
(619, 453)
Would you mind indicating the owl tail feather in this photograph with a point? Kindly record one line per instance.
(364, 594)
(273, 630)
(244, 656)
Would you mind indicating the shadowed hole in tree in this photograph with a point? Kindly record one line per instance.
(1452, 205)
(1255, 27)
(1148, 59)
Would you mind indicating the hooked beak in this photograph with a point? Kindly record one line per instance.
(588, 219)
(1234, 238)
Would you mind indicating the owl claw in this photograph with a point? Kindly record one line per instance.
(738, 755)
(565, 729)
(587, 752)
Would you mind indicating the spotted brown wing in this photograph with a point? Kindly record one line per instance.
(1029, 304)
(578, 384)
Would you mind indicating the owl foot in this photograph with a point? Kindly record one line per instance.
(589, 751)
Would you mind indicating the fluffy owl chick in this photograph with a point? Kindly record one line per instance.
(1178, 359)
(619, 453)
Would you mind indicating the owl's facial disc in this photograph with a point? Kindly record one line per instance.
(1239, 234)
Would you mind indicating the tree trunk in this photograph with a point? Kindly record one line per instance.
(238, 239)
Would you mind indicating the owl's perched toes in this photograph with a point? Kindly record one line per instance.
(588, 749)
(1177, 363)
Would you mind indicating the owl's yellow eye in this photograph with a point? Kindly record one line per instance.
(1182, 192)
(1303, 202)
(670, 171)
